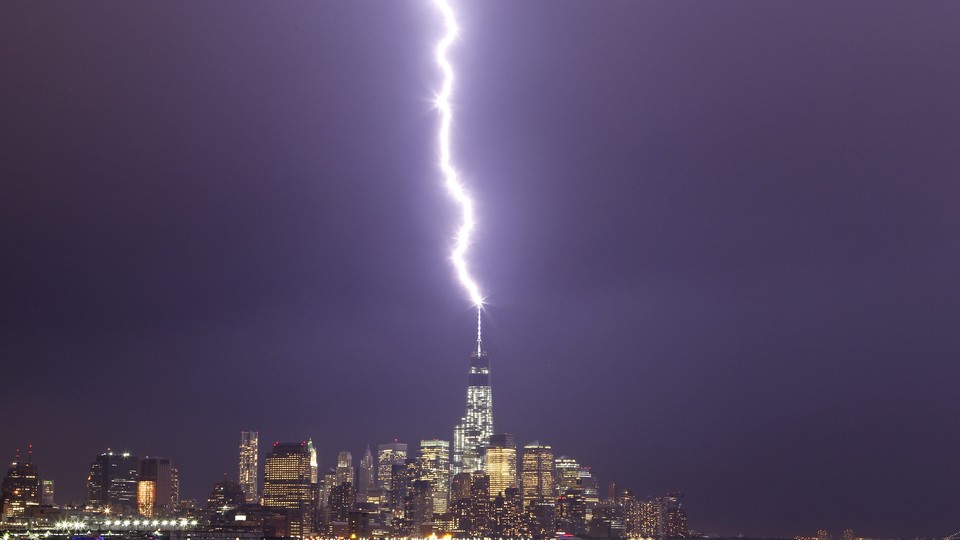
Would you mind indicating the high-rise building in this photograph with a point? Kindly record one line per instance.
(648, 519)
(112, 482)
(154, 486)
(366, 476)
(568, 473)
(20, 489)
(175, 488)
(572, 512)
(388, 455)
(226, 495)
(537, 477)
(46, 497)
(459, 505)
(480, 506)
(471, 435)
(290, 483)
(506, 515)
(327, 482)
(341, 501)
(435, 468)
(345, 468)
(588, 483)
(501, 463)
(249, 466)
(418, 510)
(402, 477)
(608, 520)
(672, 519)
(630, 507)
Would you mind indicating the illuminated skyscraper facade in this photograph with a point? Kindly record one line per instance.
(471, 435)
(20, 489)
(435, 468)
(537, 478)
(154, 486)
(345, 468)
(290, 483)
(501, 463)
(249, 477)
(568, 473)
(388, 455)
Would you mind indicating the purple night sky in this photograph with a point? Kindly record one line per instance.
(719, 240)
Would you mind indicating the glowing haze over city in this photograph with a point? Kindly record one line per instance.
(248, 249)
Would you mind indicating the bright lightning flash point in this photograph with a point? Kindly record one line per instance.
(452, 178)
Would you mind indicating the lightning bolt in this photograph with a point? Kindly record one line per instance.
(450, 174)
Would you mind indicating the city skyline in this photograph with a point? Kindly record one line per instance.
(718, 249)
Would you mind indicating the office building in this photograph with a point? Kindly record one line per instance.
(20, 489)
(225, 496)
(112, 482)
(435, 468)
(340, 502)
(480, 504)
(471, 435)
(388, 455)
(154, 486)
(588, 483)
(501, 466)
(345, 468)
(249, 476)
(366, 476)
(290, 483)
(402, 477)
(537, 476)
(568, 473)
(47, 493)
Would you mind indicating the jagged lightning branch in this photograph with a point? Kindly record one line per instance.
(452, 178)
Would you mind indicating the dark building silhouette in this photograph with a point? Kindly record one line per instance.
(417, 518)
(479, 514)
(402, 477)
(112, 482)
(572, 512)
(225, 496)
(341, 501)
(366, 475)
(459, 506)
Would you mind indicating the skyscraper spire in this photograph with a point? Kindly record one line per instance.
(479, 340)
